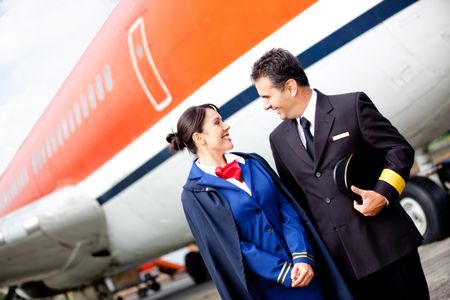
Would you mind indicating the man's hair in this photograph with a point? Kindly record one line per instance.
(279, 66)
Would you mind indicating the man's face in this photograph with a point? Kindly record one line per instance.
(279, 100)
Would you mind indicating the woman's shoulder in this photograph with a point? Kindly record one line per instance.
(249, 155)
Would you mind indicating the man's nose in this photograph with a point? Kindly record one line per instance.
(266, 104)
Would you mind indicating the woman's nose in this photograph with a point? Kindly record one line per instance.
(226, 126)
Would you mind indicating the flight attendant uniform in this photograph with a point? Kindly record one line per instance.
(272, 238)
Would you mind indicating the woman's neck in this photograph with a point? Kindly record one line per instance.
(212, 159)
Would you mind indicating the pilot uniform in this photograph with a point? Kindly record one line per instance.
(271, 237)
(362, 246)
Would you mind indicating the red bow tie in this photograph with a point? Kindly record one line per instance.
(232, 170)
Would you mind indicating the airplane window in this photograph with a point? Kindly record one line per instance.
(55, 146)
(12, 193)
(84, 106)
(43, 157)
(16, 190)
(49, 149)
(38, 160)
(26, 179)
(34, 164)
(59, 136)
(108, 78)
(22, 179)
(76, 110)
(3, 204)
(99, 87)
(71, 122)
(65, 130)
(91, 96)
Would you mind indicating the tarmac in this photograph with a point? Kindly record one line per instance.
(435, 259)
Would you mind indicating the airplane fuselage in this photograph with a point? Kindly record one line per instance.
(93, 189)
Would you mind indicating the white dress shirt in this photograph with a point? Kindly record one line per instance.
(229, 158)
(310, 115)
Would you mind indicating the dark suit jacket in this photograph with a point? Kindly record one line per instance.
(361, 245)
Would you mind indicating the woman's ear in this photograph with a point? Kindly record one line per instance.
(198, 138)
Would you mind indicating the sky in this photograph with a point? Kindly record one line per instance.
(40, 43)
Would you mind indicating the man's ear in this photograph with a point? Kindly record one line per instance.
(291, 86)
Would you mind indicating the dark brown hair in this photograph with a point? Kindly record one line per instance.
(190, 122)
(279, 66)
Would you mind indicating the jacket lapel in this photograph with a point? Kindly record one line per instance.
(323, 124)
(293, 139)
(247, 175)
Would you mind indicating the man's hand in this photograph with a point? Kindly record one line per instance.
(372, 202)
(301, 275)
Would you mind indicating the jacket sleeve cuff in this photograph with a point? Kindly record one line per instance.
(284, 277)
(390, 184)
(388, 191)
(303, 257)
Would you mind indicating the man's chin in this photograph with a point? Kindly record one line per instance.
(283, 117)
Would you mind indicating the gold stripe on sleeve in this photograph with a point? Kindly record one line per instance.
(287, 271)
(393, 179)
(308, 256)
(281, 273)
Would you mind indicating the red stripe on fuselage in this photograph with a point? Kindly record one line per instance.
(189, 41)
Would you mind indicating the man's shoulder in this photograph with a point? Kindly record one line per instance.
(340, 97)
(280, 128)
(342, 102)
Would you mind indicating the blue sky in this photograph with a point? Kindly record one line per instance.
(41, 41)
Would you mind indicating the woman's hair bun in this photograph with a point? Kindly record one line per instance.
(176, 144)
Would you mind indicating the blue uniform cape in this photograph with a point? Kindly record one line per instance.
(212, 224)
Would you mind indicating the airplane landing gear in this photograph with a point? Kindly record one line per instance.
(425, 199)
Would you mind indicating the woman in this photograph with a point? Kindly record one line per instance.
(250, 236)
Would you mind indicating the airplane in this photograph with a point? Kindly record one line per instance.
(93, 190)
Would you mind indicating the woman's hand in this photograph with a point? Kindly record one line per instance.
(301, 274)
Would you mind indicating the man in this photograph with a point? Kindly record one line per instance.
(373, 242)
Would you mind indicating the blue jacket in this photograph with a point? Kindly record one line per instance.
(210, 217)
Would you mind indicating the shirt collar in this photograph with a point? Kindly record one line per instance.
(310, 111)
(229, 157)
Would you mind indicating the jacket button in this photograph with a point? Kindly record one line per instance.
(207, 189)
(278, 248)
(268, 228)
(318, 174)
(327, 200)
(258, 211)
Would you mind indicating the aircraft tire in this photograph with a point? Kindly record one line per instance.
(142, 293)
(196, 267)
(11, 293)
(155, 286)
(443, 171)
(428, 206)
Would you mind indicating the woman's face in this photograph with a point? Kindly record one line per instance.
(215, 132)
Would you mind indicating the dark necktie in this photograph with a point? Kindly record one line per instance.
(232, 170)
(308, 137)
